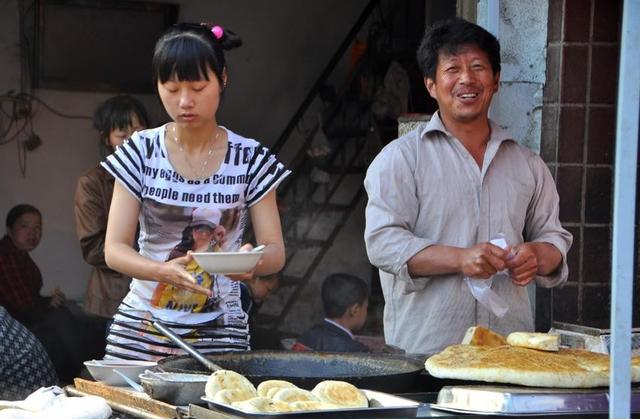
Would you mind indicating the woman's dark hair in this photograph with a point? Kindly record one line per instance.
(340, 291)
(186, 244)
(115, 113)
(448, 37)
(18, 211)
(188, 50)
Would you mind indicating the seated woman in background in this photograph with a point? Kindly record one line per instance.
(20, 278)
(345, 299)
(115, 120)
(65, 336)
(24, 363)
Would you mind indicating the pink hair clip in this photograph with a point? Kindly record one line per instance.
(217, 31)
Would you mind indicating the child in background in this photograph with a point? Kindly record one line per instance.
(345, 299)
(163, 176)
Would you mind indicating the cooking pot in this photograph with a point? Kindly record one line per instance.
(390, 373)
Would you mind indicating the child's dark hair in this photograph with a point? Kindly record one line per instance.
(18, 211)
(115, 113)
(340, 291)
(187, 51)
(448, 37)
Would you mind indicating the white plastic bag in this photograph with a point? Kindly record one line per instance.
(481, 289)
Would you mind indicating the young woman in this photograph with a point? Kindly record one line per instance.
(115, 120)
(166, 175)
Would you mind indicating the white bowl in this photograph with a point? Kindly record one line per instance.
(227, 262)
(102, 370)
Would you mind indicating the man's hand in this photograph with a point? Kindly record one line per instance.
(482, 260)
(523, 265)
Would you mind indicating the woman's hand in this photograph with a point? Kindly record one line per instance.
(173, 272)
(247, 247)
(58, 299)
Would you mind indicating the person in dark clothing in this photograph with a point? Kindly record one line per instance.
(24, 363)
(253, 292)
(67, 337)
(345, 299)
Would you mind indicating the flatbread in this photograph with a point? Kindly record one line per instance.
(269, 385)
(481, 336)
(228, 380)
(229, 396)
(567, 368)
(340, 393)
(291, 394)
(262, 405)
(540, 341)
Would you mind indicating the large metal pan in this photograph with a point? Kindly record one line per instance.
(382, 372)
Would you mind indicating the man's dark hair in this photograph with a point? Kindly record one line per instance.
(340, 291)
(448, 37)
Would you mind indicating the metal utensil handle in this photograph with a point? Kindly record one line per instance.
(129, 381)
(184, 345)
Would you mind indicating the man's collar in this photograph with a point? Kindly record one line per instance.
(435, 125)
(338, 325)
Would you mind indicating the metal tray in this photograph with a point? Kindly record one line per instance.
(591, 338)
(522, 401)
(380, 405)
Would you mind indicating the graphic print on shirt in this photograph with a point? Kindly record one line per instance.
(206, 231)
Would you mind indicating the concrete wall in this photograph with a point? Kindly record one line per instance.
(522, 32)
(285, 49)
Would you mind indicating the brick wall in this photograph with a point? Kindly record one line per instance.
(578, 137)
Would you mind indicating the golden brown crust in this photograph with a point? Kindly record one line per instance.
(340, 393)
(481, 336)
(568, 368)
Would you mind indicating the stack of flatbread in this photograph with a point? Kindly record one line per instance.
(530, 359)
(277, 396)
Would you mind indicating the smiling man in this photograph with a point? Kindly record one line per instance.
(439, 195)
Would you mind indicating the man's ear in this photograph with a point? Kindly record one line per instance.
(430, 84)
(496, 80)
(352, 310)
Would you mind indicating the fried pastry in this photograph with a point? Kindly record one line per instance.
(228, 380)
(340, 393)
(266, 386)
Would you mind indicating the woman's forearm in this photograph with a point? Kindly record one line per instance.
(124, 259)
(273, 259)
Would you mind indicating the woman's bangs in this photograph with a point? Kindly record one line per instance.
(122, 118)
(184, 60)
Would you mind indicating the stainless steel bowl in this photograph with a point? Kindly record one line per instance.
(178, 389)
